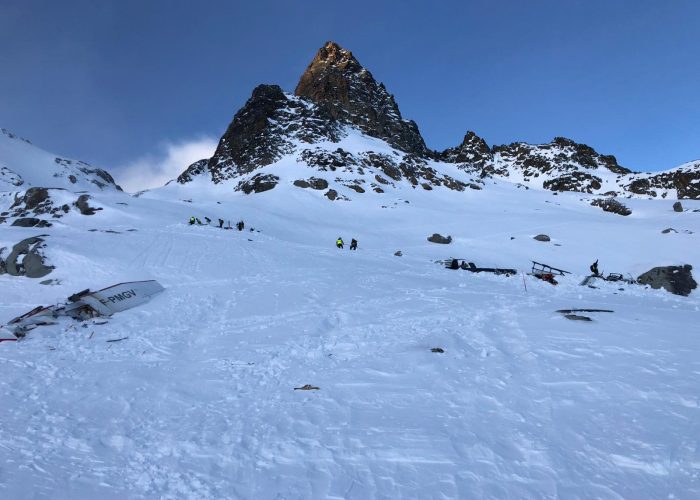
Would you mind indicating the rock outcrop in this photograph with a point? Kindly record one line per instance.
(438, 238)
(26, 259)
(337, 97)
(675, 279)
(611, 205)
(682, 183)
(23, 164)
(264, 130)
(473, 152)
(337, 82)
(32, 207)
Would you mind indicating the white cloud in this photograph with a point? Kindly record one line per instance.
(155, 169)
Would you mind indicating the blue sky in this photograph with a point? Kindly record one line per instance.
(123, 83)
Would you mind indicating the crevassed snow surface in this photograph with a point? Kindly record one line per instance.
(199, 402)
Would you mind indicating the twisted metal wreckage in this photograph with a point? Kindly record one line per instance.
(87, 304)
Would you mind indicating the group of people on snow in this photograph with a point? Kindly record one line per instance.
(240, 225)
(340, 244)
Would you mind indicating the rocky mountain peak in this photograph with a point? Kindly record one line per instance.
(335, 55)
(337, 81)
(473, 151)
(263, 131)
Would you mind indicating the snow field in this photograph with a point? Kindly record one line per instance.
(199, 400)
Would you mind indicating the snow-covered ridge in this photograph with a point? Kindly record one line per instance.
(337, 97)
(23, 165)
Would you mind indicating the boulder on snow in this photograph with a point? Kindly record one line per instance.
(30, 222)
(611, 205)
(669, 230)
(34, 197)
(398, 253)
(331, 194)
(259, 183)
(542, 237)
(26, 259)
(676, 279)
(313, 183)
(438, 238)
(84, 207)
(677, 207)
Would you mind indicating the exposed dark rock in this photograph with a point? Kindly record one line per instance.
(677, 207)
(325, 160)
(668, 230)
(684, 180)
(567, 164)
(265, 129)
(582, 182)
(336, 81)
(318, 184)
(398, 253)
(313, 183)
(356, 187)
(438, 238)
(26, 259)
(473, 152)
(675, 279)
(29, 206)
(31, 222)
(331, 194)
(196, 169)
(611, 205)
(380, 179)
(84, 207)
(542, 237)
(34, 197)
(259, 183)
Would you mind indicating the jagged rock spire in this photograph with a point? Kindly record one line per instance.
(336, 80)
(473, 151)
(262, 132)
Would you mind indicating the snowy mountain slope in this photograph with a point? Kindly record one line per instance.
(39, 189)
(23, 165)
(194, 394)
(199, 400)
(336, 97)
(564, 165)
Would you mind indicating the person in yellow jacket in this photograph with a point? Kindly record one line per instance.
(339, 242)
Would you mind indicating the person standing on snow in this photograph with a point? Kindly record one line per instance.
(353, 244)
(192, 220)
(594, 268)
(339, 242)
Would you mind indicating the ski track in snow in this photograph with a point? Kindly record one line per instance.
(199, 402)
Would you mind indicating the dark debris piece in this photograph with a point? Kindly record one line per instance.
(576, 317)
(569, 311)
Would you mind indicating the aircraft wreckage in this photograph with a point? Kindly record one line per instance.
(88, 304)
